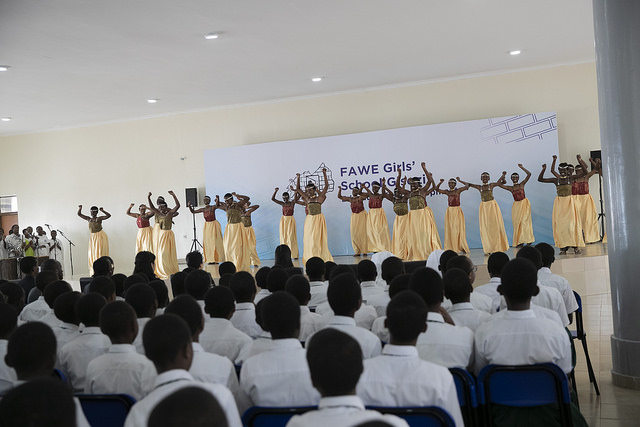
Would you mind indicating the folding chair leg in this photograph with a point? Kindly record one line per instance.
(574, 387)
(592, 375)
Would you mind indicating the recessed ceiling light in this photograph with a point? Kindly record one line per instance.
(4, 68)
(152, 101)
(212, 36)
(6, 119)
(515, 52)
(316, 79)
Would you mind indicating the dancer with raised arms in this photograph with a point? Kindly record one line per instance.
(358, 226)
(455, 234)
(521, 209)
(212, 243)
(98, 240)
(235, 242)
(401, 220)
(144, 239)
(287, 228)
(250, 233)
(166, 252)
(377, 226)
(585, 205)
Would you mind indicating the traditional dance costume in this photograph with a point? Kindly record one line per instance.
(586, 208)
(213, 246)
(400, 230)
(144, 239)
(359, 238)
(288, 234)
(567, 229)
(98, 243)
(250, 240)
(378, 227)
(521, 218)
(315, 234)
(455, 234)
(422, 236)
(235, 243)
(492, 233)
(155, 232)
(166, 253)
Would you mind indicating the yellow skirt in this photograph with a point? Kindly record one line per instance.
(315, 238)
(567, 229)
(455, 234)
(586, 208)
(433, 230)
(400, 231)
(250, 238)
(154, 237)
(98, 247)
(418, 247)
(522, 225)
(166, 255)
(235, 246)
(212, 244)
(492, 233)
(144, 239)
(288, 234)
(378, 231)
(359, 237)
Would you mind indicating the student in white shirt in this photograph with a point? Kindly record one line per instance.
(547, 278)
(243, 287)
(64, 309)
(197, 283)
(315, 272)
(8, 323)
(397, 285)
(280, 375)
(458, 290)
(143, 300)
(104, 286)
(276, 279)
(299, 287)
(495, 264)
(219, 335)
(162, 295)
(442, 343)
(121, 369)
(51, 294)
(479, 301)
(390, 269)
(399, 377)
(261, 343)
(39, 308)
(335, 364)
(367, 274)
(188, 407)
(167, 343)
(261, 282)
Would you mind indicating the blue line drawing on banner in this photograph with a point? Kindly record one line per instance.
(505, 130)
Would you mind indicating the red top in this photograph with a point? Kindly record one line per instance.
(287, 210)
(357, 206)
(454, 200)
(375, 202)
(209, 215)
(583, 188)
(518, 194)
(574, 187)
(142, 222)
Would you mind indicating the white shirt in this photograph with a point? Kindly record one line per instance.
(342, 411)
(399, 377)
(369, 343)
(7, 375)
(137, 343)
(380, 330)
(120, 370)
(479, 301)
(380, 302)
(56, 252)
(257, 346)
(464, 314)
(318, 292)
(221, 337)
(261, 295)
(491, 290)
(51, 320)
(76, 355)
(168, 382)
(369, 289)
(43, 241)
(244, 319)
(35, 311)
(444, 344)
(309, 323)
(550, 298)
(65, 333)
(4, 253)
(521, 338)
(279, 376)
(547, 278)
(364, 316)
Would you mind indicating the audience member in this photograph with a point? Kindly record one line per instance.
(547, 278)
(68, 328)
(390, 268)
(299, 287)
(261, 282)
(197, 283)
(479, 301)
(14, 295)
(177, 283)
(243, 287)
(397, 285)
(495, 264)
(118, 281)
(8, 323)
(104, 286)
(51, 293)
(458, 290)
(144, 264)
(38, 308)
(282, 256)
(367, 274)
(134, 279)
(143, 300)
(277, 280)
(188, 407)
(261, 343)
(162, 294)
(315, 272)
(194, 261)
(29, 269)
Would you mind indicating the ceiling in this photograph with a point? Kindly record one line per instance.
(82, 62)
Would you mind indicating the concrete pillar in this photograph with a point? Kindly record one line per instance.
(617, 32)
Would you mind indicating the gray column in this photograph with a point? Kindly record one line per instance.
(617, 31)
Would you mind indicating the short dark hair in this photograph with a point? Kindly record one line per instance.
(390, 268)
(143, 264)
(281, 315)
(398, 284)
(329, 266)
(496, 263)
(31, 347)
(27, 264)
(335, 362)
(277, 280)
(457, 286)
(344, 269)
(444, 259)
(225, 280)
(406, 316)
(54, 290)
(547, 252)
(197, 283)
(299, 287)
(52, 265)
(187, 308)
(88, 308)
(143, 300)
(162, 293)
(282, 256)
(261, 277)
(177, 283)
(462, 262)
(243, 286)
(226, 267)
(14, 294)
(64, 307)
(104, 286)
(44, 278)
(315, 268)
(194, 259)
(163, 337)
(8, 319)
(519, 280)
(532, 254)
(188, 407)
(367, 270)
(344, 294)
(219, 302)
(116, 319)
(102, 266)
(428, 284)
(118, 281)
(42, 402)
(134, 279)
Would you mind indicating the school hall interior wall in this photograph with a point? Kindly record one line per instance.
(113, 165)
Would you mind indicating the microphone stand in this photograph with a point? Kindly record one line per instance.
(70, 249)
(195, 243)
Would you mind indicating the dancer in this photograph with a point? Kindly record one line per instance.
(166, 254)
(492, 233)
(250, 233)
(401, 221)
(212, 243)
(98, 240)
(315, 226)
(521, 210)
(144, 239)
(288, 234)
(358, 226)
(567, 229)
(377, 227)
(235, 243)
(455, 234)
(585, 205)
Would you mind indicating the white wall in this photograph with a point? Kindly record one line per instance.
(113, 165)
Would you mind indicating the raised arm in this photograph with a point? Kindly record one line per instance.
(129, 211)
(324, 190)
(194, 211)
(438, 188)
(106, 215)
(273, 197)
(553, 167)
(152, 207)
(501, 180)
(341, 197)
(400, 184)
(468, 184)
(365, 191)
(176, 201)
(81, 215)
(524, 181)
(541, 177)
(298, 190)
(241, 199)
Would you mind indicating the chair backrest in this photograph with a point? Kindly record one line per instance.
(259, 416)
(578, 314)
(467, 395)
(106, 410)
(423, 416)
(525, 387)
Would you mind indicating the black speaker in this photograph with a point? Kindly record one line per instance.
(191, 194)
(595, 154)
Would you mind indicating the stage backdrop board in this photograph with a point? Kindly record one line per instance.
(463, 149)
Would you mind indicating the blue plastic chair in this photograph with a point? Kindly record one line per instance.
(259, 416)
(524, 386)
(106, 410)
(580, 335)
(421, 416)
(467, 395)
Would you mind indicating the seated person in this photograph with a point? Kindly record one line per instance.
(64, 308)
(261, 282)
(188, 407)
(261, 343)
(495, 264)
(479, 301)
(197, 283)
(299, 287)
(547, 278)
(8, 323)
(104, 286)
(397, 285)
(390, 268)
(51, 292)
(457, 289)
(243, 287)
(39, 308)
(143, 300)
(315, 272)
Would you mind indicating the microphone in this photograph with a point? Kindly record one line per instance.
(48, 226)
